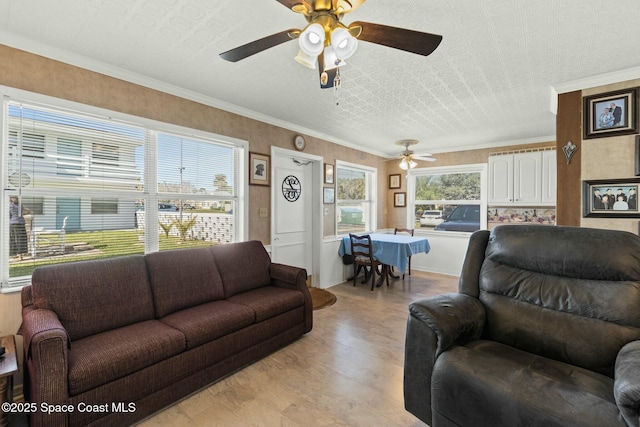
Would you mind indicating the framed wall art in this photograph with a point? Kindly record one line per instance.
(394, 181)
(637, 156)
(259, 169)
(611, 114)
(329, 195)
(400, 199)
(328, 173)
(611, 198)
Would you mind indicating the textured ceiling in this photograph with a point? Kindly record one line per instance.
(488, 83)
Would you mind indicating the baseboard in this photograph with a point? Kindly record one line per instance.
(18, 393)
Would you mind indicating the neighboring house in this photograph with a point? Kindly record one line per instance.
(55, 163)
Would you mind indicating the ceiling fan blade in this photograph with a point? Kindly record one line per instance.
(424, 158)
(398, 38)
(244, 51)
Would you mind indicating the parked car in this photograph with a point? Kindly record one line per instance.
(164, 207)
(431, 218)
(463, 218)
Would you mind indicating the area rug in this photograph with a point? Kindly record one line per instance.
(321, 298)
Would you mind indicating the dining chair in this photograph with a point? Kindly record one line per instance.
(409, 231)
(362, 252)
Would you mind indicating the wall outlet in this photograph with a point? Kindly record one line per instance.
(263, 212)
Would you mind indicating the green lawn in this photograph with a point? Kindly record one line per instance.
(108, 243)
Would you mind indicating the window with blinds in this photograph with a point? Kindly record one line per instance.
(89, 187)
(356, 200)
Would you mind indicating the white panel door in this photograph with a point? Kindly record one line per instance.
(292, 237)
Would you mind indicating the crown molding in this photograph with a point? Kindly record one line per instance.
(598, 80)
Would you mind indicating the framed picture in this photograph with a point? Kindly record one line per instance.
(611, 198)
(328, 173)
(400, 199)
(394, 181)
(259, 169)
(611, 113)
(637, 156)
(329, 195)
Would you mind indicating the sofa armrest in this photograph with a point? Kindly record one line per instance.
(287, 276)
(46, 347)
(434, 325)
(626, 385)
(290, 277)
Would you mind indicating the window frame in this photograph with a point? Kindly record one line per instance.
(371, 197)
(465, 168)
(150, 194)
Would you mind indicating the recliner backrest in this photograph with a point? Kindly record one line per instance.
(568, 293)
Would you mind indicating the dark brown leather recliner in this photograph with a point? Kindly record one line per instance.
(544, 331)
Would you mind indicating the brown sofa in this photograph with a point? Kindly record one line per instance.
(119, 339)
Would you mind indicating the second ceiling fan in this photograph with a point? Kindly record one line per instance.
(327, 42)
(408, 156)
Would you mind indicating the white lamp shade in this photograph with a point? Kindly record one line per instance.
(343, 43)
(311, 40)
(407, 164)
(331, 60)
(306, 60)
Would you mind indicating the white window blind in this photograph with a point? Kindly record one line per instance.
(91, 187)
(356, 198)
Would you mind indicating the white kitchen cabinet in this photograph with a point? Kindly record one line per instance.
(523, 179)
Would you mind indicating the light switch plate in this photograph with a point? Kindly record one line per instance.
(263, 212)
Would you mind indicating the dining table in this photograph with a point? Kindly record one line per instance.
(391, 249)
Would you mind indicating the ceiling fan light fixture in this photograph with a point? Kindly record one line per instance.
(331, 60)
(407, 164)
(306, 60)
(311, 40)
(343, 43)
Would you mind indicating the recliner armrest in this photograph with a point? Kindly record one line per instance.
(626, 385)
(434, 325)
(454, 318)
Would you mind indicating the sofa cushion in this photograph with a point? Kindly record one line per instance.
(206, 322)
(489, 384)
(183, 278)
(105, 357)
(269, 301)
(242, 266)
(90, 297)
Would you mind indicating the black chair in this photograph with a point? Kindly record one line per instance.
(362, 252)
(543, 331)
(409, 231)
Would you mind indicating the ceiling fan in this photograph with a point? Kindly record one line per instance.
(408, 156)
(326, 41)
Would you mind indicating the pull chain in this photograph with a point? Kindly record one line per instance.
(336, 85)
